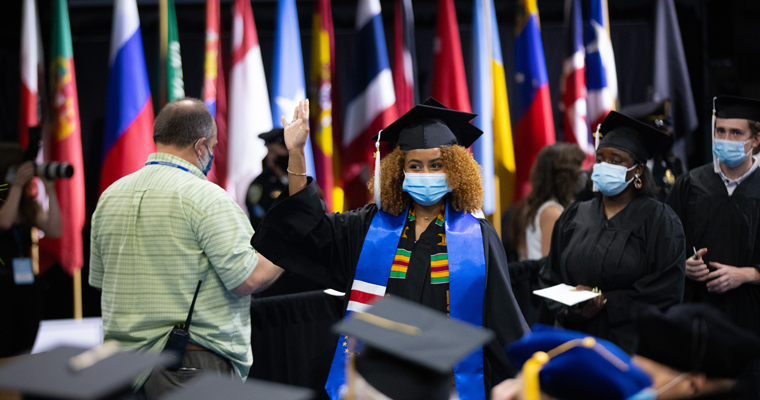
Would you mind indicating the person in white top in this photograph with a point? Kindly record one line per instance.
(555, 176)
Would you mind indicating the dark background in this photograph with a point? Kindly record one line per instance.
(721, 40)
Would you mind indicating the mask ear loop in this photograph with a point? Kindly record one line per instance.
(377, 170)
(716, 166)
(597, 136)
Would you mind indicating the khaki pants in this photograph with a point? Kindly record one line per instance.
(194, 363)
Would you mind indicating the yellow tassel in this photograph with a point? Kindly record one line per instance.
(530, 370)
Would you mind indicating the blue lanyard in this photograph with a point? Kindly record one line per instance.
(169, 164)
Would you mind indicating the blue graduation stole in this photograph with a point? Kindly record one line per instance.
(467, 282)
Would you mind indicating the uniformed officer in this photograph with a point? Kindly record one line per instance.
(265, 189)
(665, 165)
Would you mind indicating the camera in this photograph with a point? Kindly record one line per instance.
(49, 170)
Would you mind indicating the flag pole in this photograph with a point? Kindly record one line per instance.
(78, 294)
(497, 206)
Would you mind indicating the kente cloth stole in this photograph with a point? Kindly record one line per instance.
(467, 273)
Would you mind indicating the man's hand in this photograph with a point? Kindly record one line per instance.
(297, 130)
(727, 277)
(510, 389)
(696, 269)
(588, 308)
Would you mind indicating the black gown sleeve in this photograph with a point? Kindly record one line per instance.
(298, 236)
(501, 312)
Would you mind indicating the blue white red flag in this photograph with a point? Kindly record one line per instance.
(572, 84)
(128, 136)
(601, 76)
(372, 102)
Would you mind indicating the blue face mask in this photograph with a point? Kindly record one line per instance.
(206, 168)
(610, 179)
(730, 152)
(426, 189)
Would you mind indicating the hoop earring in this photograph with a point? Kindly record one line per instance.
(637, 182)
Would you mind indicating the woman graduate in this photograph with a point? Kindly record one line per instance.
(624, 243)
(418, 241)
(719, 205)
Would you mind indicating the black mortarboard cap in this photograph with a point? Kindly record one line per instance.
(276, 135)
(640, 140)
(430, 125)
(51, 375)
(737, 107)
(696, 338)
(212, 386)
(409, 350)
(653, 113)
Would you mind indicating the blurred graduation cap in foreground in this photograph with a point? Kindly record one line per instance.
(76, 373)
(696, 338)
(571, 365)
(210, 386)
(637, 138)
(408, 350)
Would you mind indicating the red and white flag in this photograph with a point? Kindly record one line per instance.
(449, 81)
(249, 111)
(31, 71)
(572, 84)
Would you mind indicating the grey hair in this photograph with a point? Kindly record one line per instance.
(182, 122)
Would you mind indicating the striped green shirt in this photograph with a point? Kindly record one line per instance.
(155, 233)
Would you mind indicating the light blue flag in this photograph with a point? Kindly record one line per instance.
(482, 96)
(288, 86)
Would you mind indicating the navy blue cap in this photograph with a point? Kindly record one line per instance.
(584, 368)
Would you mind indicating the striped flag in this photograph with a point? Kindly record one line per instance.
(572, 84)
(249, 112)
(215, 92)
(372, 103)
(322, 73)
(288, 86)
(601, 78)
(128, 136)
(170, 62)
(31, 71)
(65, 144)
(449, 81)
(535, 124)
(493, 150)
(404, 57)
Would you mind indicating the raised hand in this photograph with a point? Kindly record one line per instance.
(297, 130)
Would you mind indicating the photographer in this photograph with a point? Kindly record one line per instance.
(20, 297)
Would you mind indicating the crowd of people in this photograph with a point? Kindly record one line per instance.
(670, 256)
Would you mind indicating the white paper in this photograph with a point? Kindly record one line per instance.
(86, 333)
(565, 294)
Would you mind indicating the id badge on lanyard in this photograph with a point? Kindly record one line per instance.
(22, 266)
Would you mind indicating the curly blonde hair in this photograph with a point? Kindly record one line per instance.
(462, 175)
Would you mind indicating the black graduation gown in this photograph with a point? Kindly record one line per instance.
(297, 235)
(729, 227)
(636, 258)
